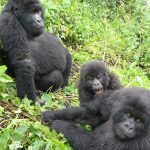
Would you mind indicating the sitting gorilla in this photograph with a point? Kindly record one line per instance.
(127, 129)
(36, 58)
(95, 78)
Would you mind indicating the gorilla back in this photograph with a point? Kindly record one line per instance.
(36, 58)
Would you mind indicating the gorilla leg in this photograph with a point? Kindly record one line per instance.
(53, 80)
(76, 136)
(67, 70)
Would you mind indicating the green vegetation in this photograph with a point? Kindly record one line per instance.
(117, 32)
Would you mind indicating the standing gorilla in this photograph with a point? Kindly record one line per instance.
(127, 129)
(34, 57)
(95, 79)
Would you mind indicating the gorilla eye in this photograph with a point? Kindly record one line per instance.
(33, 11)
(15, 10)
(129, 115)
(89, 78)
(99, 76)
(138, 120)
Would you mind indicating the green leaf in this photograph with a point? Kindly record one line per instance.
(4, 139)
(38, 144)
(4, 95)
(35, 131)
(3, 69)
(15, 145)
(47, 98)
(1, 110)
(22, 129)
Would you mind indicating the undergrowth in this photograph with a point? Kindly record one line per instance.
(117, 32)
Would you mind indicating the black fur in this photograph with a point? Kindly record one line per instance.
(133, 100)
(95, 113)
(94, 110)
(75, 114)
(92, 68)
(36, 58)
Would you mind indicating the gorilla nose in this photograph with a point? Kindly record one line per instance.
(96, 82)
(40, 21)
(130, 125)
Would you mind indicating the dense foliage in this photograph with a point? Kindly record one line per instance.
(117, 32)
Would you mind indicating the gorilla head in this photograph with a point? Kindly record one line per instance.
(95, 78)
(131, 115)
(29, 13)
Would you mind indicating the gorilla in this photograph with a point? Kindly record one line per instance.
(96, 84)
(128, 127)
(95, 78)
(37, 59)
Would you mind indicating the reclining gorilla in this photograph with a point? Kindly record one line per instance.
(96, 84)
(33, 56)
(127, 129)
(95, 78)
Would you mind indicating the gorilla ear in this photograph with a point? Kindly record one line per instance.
(114, 82)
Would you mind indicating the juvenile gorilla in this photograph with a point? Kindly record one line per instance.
(95, 78)
(36, 58)
(96, 85)
(127, 129)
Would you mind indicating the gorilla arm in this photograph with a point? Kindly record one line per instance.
(77, 136)
(76, 114)
(17, 52)
(96, 112)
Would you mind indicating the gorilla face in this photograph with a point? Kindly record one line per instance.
(95, 77)
(95, 83)
(130, 126)
(131, 118)
(30, 14)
